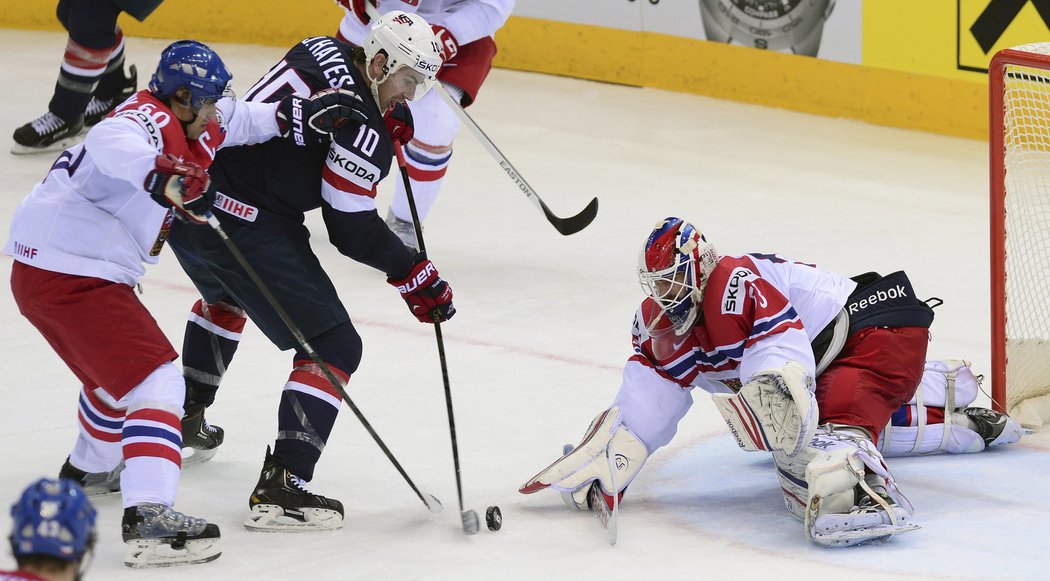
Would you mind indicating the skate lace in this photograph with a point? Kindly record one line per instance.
(47, 123)
(96, 105)
(298, 483)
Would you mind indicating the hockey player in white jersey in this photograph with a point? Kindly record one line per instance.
(803, 363)
(465, 29)
(80, 240)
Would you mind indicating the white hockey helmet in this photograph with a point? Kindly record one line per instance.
(408, 41)
(673, 268)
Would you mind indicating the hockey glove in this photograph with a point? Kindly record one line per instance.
(357, 8)
(447, 42)
(428, 297)
(609, 453)
(399, 124)
(182, 186)
(312, 121)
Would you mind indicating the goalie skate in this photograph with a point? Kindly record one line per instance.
(157, 536)
(865, 524)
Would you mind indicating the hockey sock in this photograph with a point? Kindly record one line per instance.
(98, 442)
(426, 170)
(213, 332)
(309, 406)
(152, 439)
(82, 66)
(112, 80)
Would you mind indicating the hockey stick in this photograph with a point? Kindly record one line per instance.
(469, 517)
(429, 500)
(565, 226)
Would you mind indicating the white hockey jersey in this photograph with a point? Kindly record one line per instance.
(759, 310)
(467, 20)
(90, 216)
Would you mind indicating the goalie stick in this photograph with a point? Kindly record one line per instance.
(565, 226)
(469, 518)
(429, 500)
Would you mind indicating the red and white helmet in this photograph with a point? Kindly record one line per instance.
(408, 41)
(673, 269)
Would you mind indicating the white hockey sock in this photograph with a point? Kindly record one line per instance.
(100, 423)
(152, 438)
(426, 170)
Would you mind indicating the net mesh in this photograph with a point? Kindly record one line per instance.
(1026, 133)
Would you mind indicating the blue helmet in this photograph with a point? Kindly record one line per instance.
(53, 518)
(190, 64)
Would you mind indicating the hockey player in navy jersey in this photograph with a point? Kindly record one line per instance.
(465, 30)
(80, 240)
(263, 193)
(804, 363)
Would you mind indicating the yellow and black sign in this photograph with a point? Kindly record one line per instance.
(988, 26)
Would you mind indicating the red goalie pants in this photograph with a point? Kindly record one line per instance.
(877, 371)
(99, 328)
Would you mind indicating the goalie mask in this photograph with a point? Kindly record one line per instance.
(673, 269)
(408, 41)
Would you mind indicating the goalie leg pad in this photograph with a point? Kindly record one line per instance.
(776, 410)
(608, 445)
(853, 498)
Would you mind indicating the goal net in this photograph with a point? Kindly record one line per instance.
(1019, 100)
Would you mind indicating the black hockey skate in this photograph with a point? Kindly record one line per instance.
(200, 440)
(159, 536)
(97, 109)
(281, 503)
(93, 483)
(995, 428)
(49, 132)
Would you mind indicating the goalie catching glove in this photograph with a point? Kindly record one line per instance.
(312, 121)
(182, 186)
(426, 294)
(609, 453)
(776, 410)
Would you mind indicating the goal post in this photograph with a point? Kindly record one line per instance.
(1019, 140)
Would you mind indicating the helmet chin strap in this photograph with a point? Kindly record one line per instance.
(373, 83)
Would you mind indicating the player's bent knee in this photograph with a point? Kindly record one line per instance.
(163, 389)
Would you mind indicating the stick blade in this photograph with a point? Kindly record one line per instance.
(572, 224)
(471, 524)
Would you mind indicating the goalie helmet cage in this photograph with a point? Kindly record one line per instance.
(1019, 139)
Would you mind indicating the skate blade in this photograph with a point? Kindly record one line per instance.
(152, 553)
(193, 456)
(59, 145)
(270, 518)
(848, 538)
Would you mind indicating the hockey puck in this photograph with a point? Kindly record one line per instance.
(493, 518)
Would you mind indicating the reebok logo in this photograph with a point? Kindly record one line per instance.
(880, 296)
